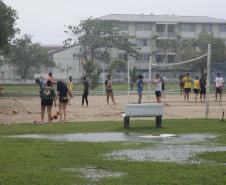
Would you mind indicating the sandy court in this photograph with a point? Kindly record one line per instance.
(28, 109)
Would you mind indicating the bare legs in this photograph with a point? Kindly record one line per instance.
(62, 110)
(49, 112)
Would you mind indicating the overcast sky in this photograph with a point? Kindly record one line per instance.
(46, 20)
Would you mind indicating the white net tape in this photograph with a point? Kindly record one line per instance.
(179, 63)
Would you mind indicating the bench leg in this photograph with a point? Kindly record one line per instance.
(158, 122)
(126, 122)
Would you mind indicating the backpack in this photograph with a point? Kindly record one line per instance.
(46, 94)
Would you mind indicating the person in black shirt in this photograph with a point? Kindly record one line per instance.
(202, 83)
(62, 93)
(85, 91)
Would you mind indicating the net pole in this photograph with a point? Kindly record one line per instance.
(208, 80)
(128, 76)
(103, 79)
(149, 80)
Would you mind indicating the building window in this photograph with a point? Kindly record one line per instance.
(171, 28)
(187, 27)
(144, 57)
(160, 28)
(160, 58)
(123, 26)
(143, 27)
(171, 59)
(222, 28)
(206, 28)
(143, 42)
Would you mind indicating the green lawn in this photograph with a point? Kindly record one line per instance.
(42, 162)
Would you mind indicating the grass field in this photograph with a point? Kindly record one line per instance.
(42, 162)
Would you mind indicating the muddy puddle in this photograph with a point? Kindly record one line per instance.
(97, 137)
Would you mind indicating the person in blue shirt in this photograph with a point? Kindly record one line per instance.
(140, 88)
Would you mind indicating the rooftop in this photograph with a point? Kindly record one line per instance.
(161, 18)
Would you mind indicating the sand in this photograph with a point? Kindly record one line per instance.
(27, 110)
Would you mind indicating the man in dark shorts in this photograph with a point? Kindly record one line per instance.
(62, 93)
(202, 83)
(48, 96)
(85, 91)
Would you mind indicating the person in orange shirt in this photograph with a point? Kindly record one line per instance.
(187, 86)
(196, 88)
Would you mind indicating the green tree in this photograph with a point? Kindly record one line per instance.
(133, 76)
(97, 38)
(8, 28)
(28, 57)
(92, 73)
(117, 65)
(192, 48)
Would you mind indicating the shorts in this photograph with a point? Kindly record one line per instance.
(196, 91)
(158, 93)
(219, 90)
(109, 91)
(47, 102)
(187, 90)
(63, 99)
(203, 90)
(139, 93)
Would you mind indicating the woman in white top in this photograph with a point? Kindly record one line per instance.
(219, 85)
(158, 88)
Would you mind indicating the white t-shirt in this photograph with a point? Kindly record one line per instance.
(219, 81)
(158, 83)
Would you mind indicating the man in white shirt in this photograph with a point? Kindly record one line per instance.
(158, 88)
(219, 85)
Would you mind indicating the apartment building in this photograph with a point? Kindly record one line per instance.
(157, 34)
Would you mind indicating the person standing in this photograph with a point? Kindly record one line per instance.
(50, 78)
(62, 94)
(219, 86)
(158, 89)
(187, 86)
(48, 96)
(196, 88)
(70, 87)
(202, 83)
(181, 84)
(109, 89)
(140, 88)
(85, 91)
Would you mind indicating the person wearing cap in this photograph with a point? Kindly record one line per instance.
(219, 81)
(140, 88)
(187, 86)
(158, 89)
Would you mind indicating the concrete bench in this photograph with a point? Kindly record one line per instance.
(143, 110)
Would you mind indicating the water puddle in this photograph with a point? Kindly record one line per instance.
(164, 153)
(94, 137)
(94, 173)
(166, 148)
(179, 149)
